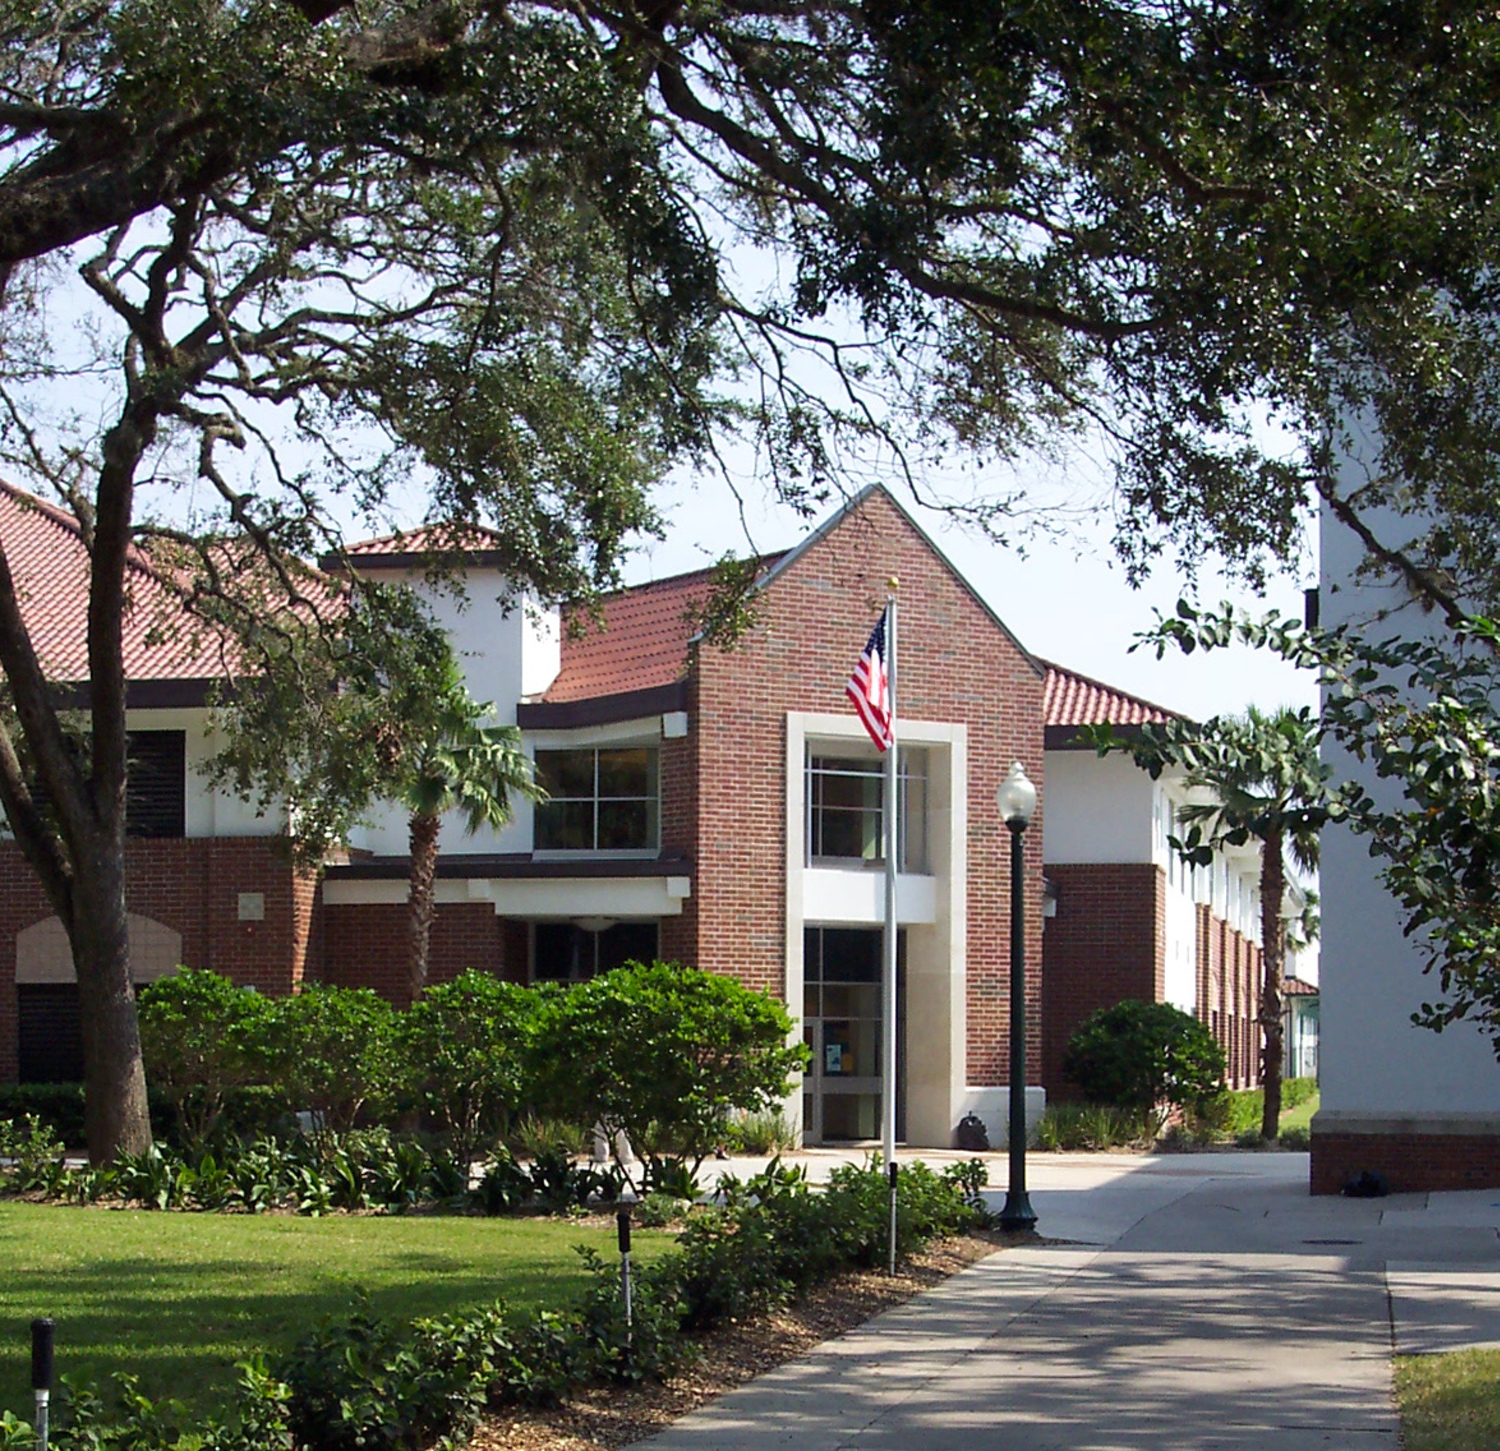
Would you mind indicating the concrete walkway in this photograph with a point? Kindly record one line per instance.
(1199, 1303)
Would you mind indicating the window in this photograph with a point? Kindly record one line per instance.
(602, 799)
(846, 815)
(565, 952)
(156, 783)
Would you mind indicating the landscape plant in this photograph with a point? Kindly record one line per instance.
(202, 1036)
(451, 761)
(663, 1054)
(1140, 1055)
(461, 1052)
(363, 1380)
(329, 1051)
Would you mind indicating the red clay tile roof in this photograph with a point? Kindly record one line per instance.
(1295, 987)
(51, 570)
(642, 641)
(429, 540)
(1070, 699)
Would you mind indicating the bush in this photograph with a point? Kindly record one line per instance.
(761, 1133)
(202, 1036)
(329, 1050)
(664, 1054)
(1138, 1055)
(57, 1105)
(461, 1053)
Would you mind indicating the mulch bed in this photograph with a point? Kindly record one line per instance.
(603, 1418)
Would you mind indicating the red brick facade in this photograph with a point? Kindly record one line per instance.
(954, 665)
(1229, 978)
(193, 887)
(366, 945)
(1106, 943)
(1410, 1162)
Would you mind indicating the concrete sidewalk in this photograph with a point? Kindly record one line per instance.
(1202, 1302)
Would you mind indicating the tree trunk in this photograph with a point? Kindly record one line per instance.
(424, 859)
(1273, 954)
(116, 1116)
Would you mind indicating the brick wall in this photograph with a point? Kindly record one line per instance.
(365, 945)
(1229, 977)
(192, 886)
(1107, 943)
(954, 665)
(1414, 1163)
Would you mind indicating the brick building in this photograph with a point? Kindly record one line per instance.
(1127, 918)
(718, 807)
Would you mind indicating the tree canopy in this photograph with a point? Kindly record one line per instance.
(266, 265)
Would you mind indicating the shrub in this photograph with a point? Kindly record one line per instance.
(57, 1105)
(1138, 1055)
(664, 1054)
(1298, 1139)
(761, 1133)
(202, 1036)
(329, 1049)
(461, 1054)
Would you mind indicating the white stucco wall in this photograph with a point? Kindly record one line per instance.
(1374, 1063)
(1098, 810)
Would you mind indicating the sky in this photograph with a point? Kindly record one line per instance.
(1066, 599)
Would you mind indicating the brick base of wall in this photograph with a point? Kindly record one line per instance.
(1411, 1163)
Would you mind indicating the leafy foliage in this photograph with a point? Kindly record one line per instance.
(1419, 712)
(462, 1052)
(663, 1054)
(201, 1036)
(1137, 1055)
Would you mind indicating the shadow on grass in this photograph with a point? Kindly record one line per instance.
(180, 1314)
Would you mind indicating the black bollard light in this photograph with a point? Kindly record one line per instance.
(622, 1221)
(42, 1336)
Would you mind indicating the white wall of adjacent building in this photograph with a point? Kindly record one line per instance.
(1375, 1064)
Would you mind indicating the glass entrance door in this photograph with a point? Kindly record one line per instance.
(842, 1026)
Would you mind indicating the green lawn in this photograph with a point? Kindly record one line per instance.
(177, 1298)
(1299, 1117)
(1449, 1402)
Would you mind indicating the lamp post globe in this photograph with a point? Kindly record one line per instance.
(1016, 799)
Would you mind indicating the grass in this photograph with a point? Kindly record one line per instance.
(176, 1299)
(1299, 1117)
(1449, 1402)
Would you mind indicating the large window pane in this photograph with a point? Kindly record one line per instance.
(625, 826)
(565, 826)
(603, 799)
(566, 773)
(627, 773)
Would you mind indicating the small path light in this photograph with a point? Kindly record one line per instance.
(1017, 801)
(42, 1332)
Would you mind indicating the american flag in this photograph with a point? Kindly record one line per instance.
(870, 688)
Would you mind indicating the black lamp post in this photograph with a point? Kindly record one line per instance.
(1017, 800)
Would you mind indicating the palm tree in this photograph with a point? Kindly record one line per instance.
(1267, 785)
(456, 764)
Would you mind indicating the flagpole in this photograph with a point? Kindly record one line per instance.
(888, 977)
